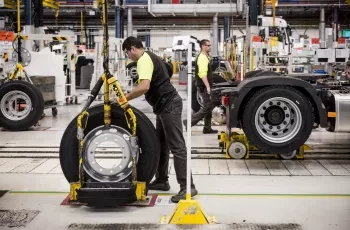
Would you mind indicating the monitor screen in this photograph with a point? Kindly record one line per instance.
(346, 33)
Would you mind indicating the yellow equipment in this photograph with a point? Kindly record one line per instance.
(237, 146)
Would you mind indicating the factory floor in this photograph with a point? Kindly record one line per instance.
(313, 194)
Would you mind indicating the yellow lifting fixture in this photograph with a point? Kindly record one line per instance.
(10, 4)
(109, 82)
(52, 4)
(236, 146)
(273, 4)
(19, 68)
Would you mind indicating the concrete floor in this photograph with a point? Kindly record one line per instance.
(314, 193)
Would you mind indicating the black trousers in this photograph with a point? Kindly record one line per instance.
(170, 133)
(205, 110)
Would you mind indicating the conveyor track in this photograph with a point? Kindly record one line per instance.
(320, 151)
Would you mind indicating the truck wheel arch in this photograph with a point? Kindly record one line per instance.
(248, 87)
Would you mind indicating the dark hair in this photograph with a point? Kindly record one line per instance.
(131, 41)
(203, 42)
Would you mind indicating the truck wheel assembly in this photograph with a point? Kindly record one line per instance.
(278, 124)
(21, 105)
(98, 176)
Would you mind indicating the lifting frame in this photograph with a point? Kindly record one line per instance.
(106, 192)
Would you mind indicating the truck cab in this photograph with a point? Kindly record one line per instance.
(281, 30)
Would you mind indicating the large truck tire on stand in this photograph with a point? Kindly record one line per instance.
(21, 105)
(147, 160)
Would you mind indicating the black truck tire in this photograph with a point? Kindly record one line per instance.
(147, 140)
(27, 92)
(278, 119)
(195, 104)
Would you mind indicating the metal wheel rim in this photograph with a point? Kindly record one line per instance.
(287, 129)
(237, 150)
(9, 111)
(220, 69)
(101, 134)
(199, 99)
(26, 57)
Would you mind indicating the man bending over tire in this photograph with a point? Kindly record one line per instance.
(154, 82)
(204, 82)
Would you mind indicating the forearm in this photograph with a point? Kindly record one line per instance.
(206, 82)
(136, 92)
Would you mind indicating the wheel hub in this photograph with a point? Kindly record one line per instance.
(16, 105)
(278, 119)
(274, 115)
(102, 146)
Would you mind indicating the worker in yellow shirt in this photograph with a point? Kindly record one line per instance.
(204, 82)
(154, 83)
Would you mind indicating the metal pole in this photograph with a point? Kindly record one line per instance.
(261, 7)
(117, 23)
(226, 28)
(189, 121)
(214, 50)
(336, 21)
(129, 22)
(322, 29)
(27, 12)
(27, 22)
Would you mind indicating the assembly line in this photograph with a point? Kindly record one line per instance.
(245, 131)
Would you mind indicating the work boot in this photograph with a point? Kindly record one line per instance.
(161, 186)
(209, 131)
(182, 195)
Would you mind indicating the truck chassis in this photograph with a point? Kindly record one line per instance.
(278, 113)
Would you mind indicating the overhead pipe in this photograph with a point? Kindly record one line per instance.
(310, 5)
(171, 27)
